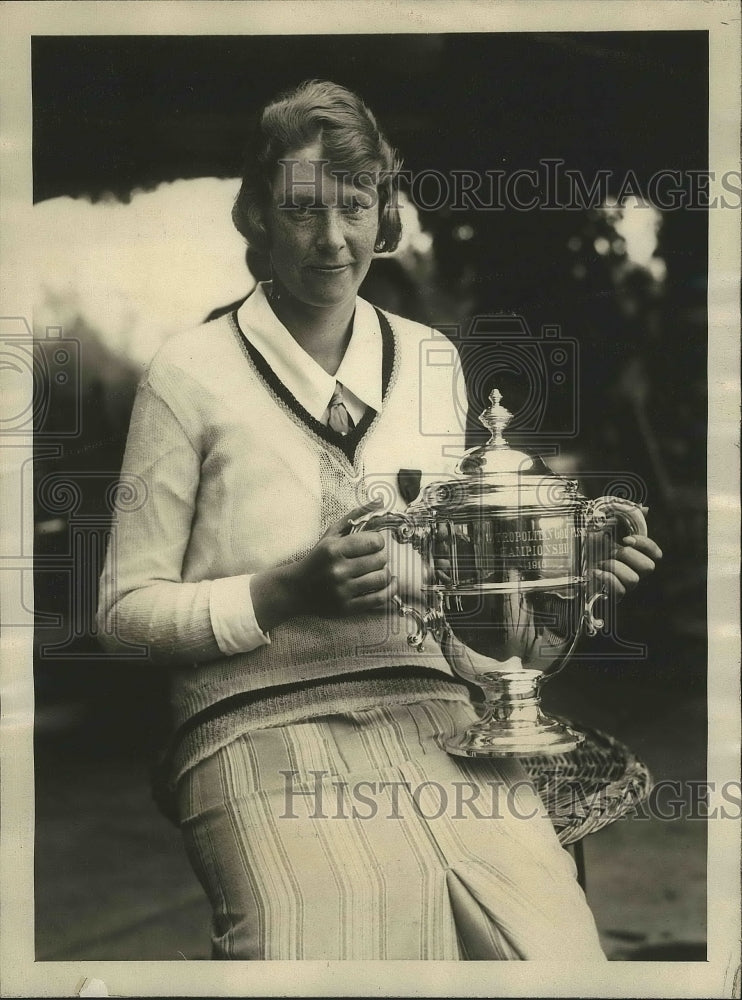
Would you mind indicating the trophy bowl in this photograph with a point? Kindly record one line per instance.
(506, 549)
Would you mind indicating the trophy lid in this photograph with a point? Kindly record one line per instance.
(497, 477)
(496, 456)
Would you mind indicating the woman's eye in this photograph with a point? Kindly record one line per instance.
(356, 207)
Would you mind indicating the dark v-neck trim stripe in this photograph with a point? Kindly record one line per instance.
(348, 443)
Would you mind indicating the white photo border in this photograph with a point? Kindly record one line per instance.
(719, 975)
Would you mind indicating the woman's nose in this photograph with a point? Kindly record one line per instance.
(331, 235)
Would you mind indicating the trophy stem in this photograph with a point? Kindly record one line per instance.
(512, 723)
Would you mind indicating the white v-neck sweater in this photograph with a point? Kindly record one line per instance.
(226, 475)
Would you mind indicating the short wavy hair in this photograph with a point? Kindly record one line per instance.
(350, 140)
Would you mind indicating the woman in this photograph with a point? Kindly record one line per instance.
(309, 770)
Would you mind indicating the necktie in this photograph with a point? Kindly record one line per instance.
(339, 418)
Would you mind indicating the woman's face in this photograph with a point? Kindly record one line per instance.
(322, 229)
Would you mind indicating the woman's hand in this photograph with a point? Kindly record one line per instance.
(344, 574)
(626, 564)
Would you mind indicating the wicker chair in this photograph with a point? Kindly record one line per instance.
(588, 788)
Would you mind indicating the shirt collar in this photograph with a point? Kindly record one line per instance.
(308, 382)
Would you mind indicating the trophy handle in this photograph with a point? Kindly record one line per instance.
(426, 622)
(402, 526)
(597, 516)
(406, 531)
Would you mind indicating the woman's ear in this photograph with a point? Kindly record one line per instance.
(258, 225)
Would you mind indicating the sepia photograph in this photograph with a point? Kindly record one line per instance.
(371, 499)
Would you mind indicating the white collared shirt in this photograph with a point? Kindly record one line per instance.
(359, 372)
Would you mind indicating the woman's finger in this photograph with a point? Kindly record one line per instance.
(635, 559)
(626, 576)
(364, 543)
(371, 583)
(642, 543)
(375, 601)
(443, 571)
(356, 566)
(609, 584)
(343, 524)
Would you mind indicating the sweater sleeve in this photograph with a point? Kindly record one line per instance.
(143, 598)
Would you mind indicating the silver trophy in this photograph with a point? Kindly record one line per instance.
(506, 551)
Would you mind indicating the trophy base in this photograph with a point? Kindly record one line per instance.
(512, 723)
(500, 740)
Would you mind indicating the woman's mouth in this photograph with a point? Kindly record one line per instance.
(329, 268)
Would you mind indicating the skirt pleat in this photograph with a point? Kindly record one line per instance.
(358, 837)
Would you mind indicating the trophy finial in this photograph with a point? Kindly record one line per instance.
(496, 418)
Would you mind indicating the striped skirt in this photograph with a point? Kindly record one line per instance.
(356, 836)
